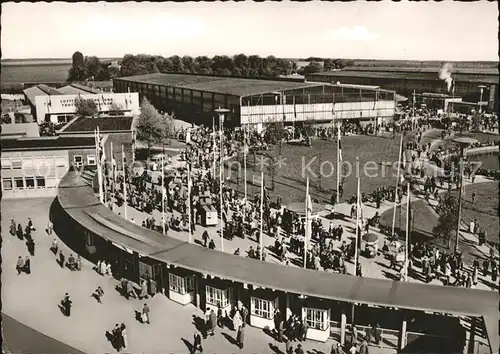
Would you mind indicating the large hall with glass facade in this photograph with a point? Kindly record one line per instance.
(257, 101)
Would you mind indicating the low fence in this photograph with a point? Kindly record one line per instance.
(389, 338)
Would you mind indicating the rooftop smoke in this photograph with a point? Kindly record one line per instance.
(445, 74)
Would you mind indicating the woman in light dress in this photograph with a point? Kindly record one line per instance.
(237, 321)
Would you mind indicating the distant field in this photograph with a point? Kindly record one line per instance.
(34, 73)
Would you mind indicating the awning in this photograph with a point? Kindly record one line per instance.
(400, 98)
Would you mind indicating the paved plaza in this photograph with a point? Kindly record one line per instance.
(33, 300)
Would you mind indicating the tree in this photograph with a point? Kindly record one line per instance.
(85, 108)
(115, 109)
(150, 126)
(275, 132)
(78, 71)
(313, 67)
(448, 218)
(328, 65)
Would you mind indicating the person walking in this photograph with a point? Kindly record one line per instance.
(98, 294)
(27, 265)
(79, 263)
(145, 314)
(66, 303)
(197, 343)
(19, 265)
(213, 322)
(124, 336)
(61, 259)
(54, 248)
(50, 227)
(30, 245)
(240, 337)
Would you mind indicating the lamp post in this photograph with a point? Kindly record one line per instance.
(463, 143)
(481, 87)
(221, 112)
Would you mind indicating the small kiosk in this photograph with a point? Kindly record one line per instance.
(181, 286)
(369, 244)
(263, 304)
(209, 215)
(316, 314)
(218, 292)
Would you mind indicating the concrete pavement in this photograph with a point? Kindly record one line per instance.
(33, 300)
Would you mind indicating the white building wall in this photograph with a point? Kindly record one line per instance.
(65, 104)
(320, 112)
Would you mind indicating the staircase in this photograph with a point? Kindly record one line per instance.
(88, 176)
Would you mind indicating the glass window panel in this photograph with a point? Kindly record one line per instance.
(40, 181)
(51, 182)
(19, 183)
(7, 183)
(30, 182)
(6, 164)
(17, 164)
(61, 161)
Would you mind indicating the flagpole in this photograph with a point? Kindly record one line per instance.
(99, 167)
(112, 176)
(245, 161)
(163, 193)
(407, 230)
(358, 212)
(221, 166)
(261, 238)
(307, 224)
(124, 184)
(189, 202)
(338, 162)
(214, 147)
(397, 184)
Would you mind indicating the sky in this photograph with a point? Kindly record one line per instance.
(446, 30)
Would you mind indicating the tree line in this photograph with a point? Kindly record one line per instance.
(91, 68)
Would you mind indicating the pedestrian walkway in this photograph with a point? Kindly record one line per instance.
(33, 300)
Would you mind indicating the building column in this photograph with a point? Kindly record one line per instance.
(343, 324)
(469, 348)
(402, 335)
(288, 311)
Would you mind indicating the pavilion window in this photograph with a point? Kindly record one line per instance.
(316, 318)
(181, 285)
(216, 297)
(262, 308)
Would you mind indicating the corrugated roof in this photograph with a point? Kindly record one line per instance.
(74, 89)
(47, 143)
(382, 292)
(39, 90)
(83, 124)
(333, 75)
(218, 84)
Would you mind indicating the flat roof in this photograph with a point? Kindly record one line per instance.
(82, 205)
(218, 84)
(28, 129)
(107, 124)
(415, 69)
(47, 143)
(406, 76)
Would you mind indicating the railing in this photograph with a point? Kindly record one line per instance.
(479, 347)
(335, 330)
(389, 338)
